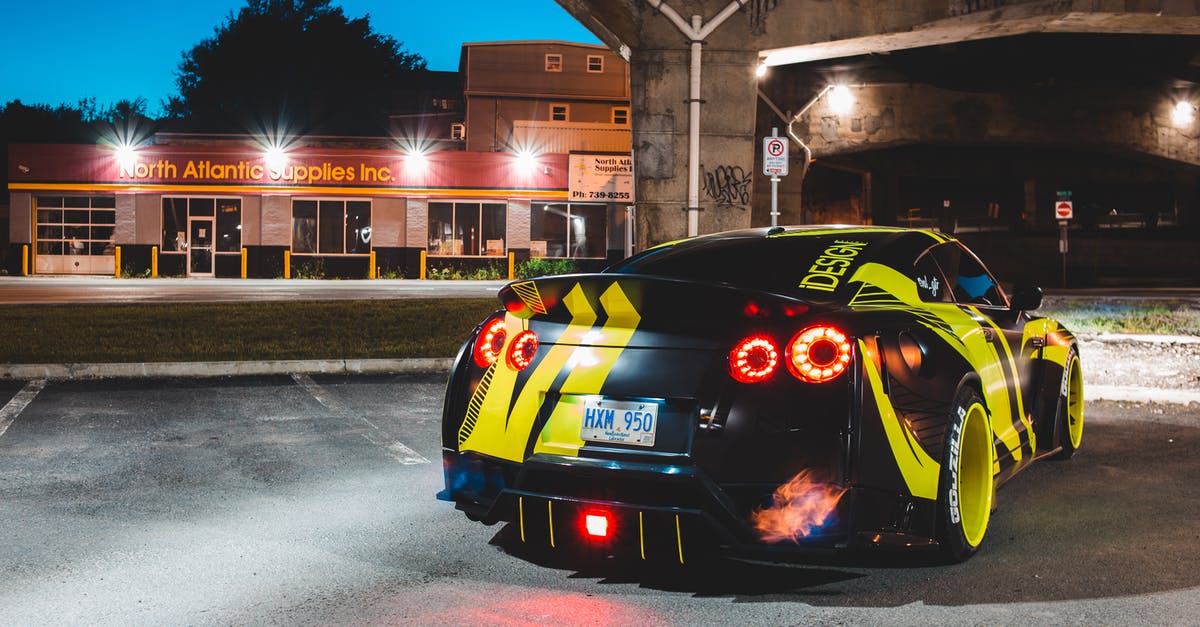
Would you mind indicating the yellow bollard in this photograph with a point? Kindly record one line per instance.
(371, 274)
(25, 260)
(117, 262)
(243, 262)
(154, 262)
(423, 255)
(511, 257)
(287, 264)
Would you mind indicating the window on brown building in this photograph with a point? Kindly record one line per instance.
(620, 115)
(554, 63)
(560, 112)
(595, 64)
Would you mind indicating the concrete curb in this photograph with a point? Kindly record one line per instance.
(224, 368)
(1131, 394)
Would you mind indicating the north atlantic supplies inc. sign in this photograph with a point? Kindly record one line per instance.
(601, 178)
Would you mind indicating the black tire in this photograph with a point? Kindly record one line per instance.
(1068, 421)
(966, 485)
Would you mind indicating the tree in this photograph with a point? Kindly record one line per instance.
(299, 65)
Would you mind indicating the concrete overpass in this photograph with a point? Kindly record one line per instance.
(991, 107)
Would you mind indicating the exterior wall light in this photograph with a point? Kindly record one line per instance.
(416, 161)
(126, 156)
(276, 158)
(1184, 113)
(761, 70)
(527, 161)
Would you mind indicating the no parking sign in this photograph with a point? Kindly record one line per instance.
(775, 156)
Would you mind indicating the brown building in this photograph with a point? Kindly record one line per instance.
(539, 166)
(545, 97)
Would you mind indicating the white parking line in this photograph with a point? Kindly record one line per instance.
(19, 402)
(396, 450)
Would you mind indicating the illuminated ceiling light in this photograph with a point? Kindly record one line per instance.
(527, 161)
(761, 70)
(1184, 113)
(841, 100)
(276, 157)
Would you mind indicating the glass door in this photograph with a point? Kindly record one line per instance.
(200, 246)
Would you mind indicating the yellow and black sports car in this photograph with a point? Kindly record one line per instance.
(760, 392)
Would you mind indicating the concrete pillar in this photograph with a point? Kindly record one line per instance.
(659, 88)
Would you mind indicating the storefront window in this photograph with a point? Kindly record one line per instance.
(467, 228)
(304, 226)
(75, 225)
(331, 227)
(568, 230)
(219, 217)
(229, 226)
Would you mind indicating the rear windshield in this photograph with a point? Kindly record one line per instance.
(813, 267)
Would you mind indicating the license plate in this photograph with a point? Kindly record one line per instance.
(619, 422)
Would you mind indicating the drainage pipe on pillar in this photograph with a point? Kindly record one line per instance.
(696, 32)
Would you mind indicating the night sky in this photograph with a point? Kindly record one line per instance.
(59, 51)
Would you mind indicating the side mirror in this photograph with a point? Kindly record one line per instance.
(1026, 298)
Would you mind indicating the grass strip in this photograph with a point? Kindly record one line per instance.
(1156, 318)
(238, 332)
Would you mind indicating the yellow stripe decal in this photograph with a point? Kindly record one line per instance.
(505, 434)
(919, 470)
(521, 515)
(550, 517)
(589, 364)
(1014, 387)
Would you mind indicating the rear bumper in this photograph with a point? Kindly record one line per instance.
(662, 511)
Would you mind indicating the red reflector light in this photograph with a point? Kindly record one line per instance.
(523, 349)
(754, 359)
(596, 525)
(489, 343)
(818, 354)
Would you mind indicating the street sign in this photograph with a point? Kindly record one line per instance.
(775, 156)
(1064, 210)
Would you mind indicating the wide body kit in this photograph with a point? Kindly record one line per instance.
(627, 409)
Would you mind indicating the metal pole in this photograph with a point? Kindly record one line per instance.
(693, 223)
(1062, 249)
(774, 201)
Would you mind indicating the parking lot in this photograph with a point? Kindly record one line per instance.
(311, 500)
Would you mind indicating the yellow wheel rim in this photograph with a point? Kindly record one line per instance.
(1075, 404)
(975, 475)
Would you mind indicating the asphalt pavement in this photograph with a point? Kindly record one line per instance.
(309, 499)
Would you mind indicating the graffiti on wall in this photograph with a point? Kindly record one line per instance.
(728, 185)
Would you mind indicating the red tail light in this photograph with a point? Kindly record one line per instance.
(818, 353)
(489, 343)
(523, 348)
(754, 359)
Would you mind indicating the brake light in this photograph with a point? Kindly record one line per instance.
(489, 343)
(523, 348)
(754, 359)
(596, 525)
(818, 354)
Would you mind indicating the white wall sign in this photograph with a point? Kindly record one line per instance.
(600, 178)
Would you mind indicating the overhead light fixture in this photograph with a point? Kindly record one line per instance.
(761, 70)
(1184, 113)
(841, 100)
